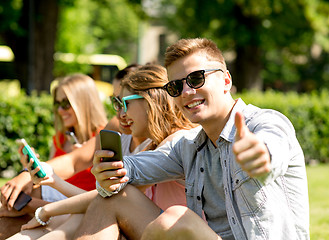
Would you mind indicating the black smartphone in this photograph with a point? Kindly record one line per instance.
(22, 200)
(111, 140)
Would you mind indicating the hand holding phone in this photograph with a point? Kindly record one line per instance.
(111, 140)
(30, 154)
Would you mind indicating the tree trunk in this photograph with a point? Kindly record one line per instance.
(34, 48)
(247, 68)
(44, 47)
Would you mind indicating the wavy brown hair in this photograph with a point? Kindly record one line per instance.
(164, 117)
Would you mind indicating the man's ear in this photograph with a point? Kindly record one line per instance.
(228, 81)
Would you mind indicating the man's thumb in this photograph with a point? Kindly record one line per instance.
(240, 126)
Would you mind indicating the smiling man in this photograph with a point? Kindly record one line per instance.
(243, 167)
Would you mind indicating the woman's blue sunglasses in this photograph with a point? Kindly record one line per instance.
(119, 104)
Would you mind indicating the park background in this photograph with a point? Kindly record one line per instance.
(277, 52)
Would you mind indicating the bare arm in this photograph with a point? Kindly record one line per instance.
(51, 179)
(67, 165)
(72, 205)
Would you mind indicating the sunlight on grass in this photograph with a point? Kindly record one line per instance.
(3, 181)
(319, 204)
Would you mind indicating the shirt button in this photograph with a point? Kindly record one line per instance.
(202, 169)
(233, 220)
(198, 197)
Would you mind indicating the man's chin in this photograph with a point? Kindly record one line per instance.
(194, 119)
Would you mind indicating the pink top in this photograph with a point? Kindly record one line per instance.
(168, 194)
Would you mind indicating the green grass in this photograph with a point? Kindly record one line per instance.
(3, 181)
(319, 204)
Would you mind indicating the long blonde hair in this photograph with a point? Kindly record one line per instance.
(83, 96)
(164, 117)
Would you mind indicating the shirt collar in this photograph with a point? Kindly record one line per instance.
(228, 132)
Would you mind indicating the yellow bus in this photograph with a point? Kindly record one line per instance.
(104, 66)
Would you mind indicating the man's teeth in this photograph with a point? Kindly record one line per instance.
(129, 122)
(194, 104)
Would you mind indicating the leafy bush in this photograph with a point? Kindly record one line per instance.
(307, 112)
(29, 117)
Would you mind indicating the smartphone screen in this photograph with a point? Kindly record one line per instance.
(111, 140)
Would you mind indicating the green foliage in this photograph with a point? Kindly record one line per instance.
(285, 32)
(29, 117)
(307, 112)
(102, 26)
(10, 12)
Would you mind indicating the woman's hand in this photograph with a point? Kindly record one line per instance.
(109, 175)
(50, 179)
(33, 223)
(11, 190)
(24, 158)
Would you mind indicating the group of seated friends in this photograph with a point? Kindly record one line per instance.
(197, 164)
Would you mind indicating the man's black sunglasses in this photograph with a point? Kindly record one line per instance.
(65, 104)
(193, 80)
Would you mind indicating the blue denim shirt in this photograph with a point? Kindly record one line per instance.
(273, 207)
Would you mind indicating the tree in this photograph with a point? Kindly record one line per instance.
(257, 32)
(29, 28)
(35, 29)
(97, 26)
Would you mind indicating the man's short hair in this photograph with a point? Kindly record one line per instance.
(185, 47)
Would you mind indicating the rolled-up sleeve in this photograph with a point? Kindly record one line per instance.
(155, 166)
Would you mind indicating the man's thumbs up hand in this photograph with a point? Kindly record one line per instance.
(241, 127)
(250, 152)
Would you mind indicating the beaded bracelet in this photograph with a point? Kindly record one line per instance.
(38, 219)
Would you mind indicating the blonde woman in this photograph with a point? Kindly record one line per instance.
(77, 110)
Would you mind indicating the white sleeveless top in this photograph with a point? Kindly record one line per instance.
(125, 144)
